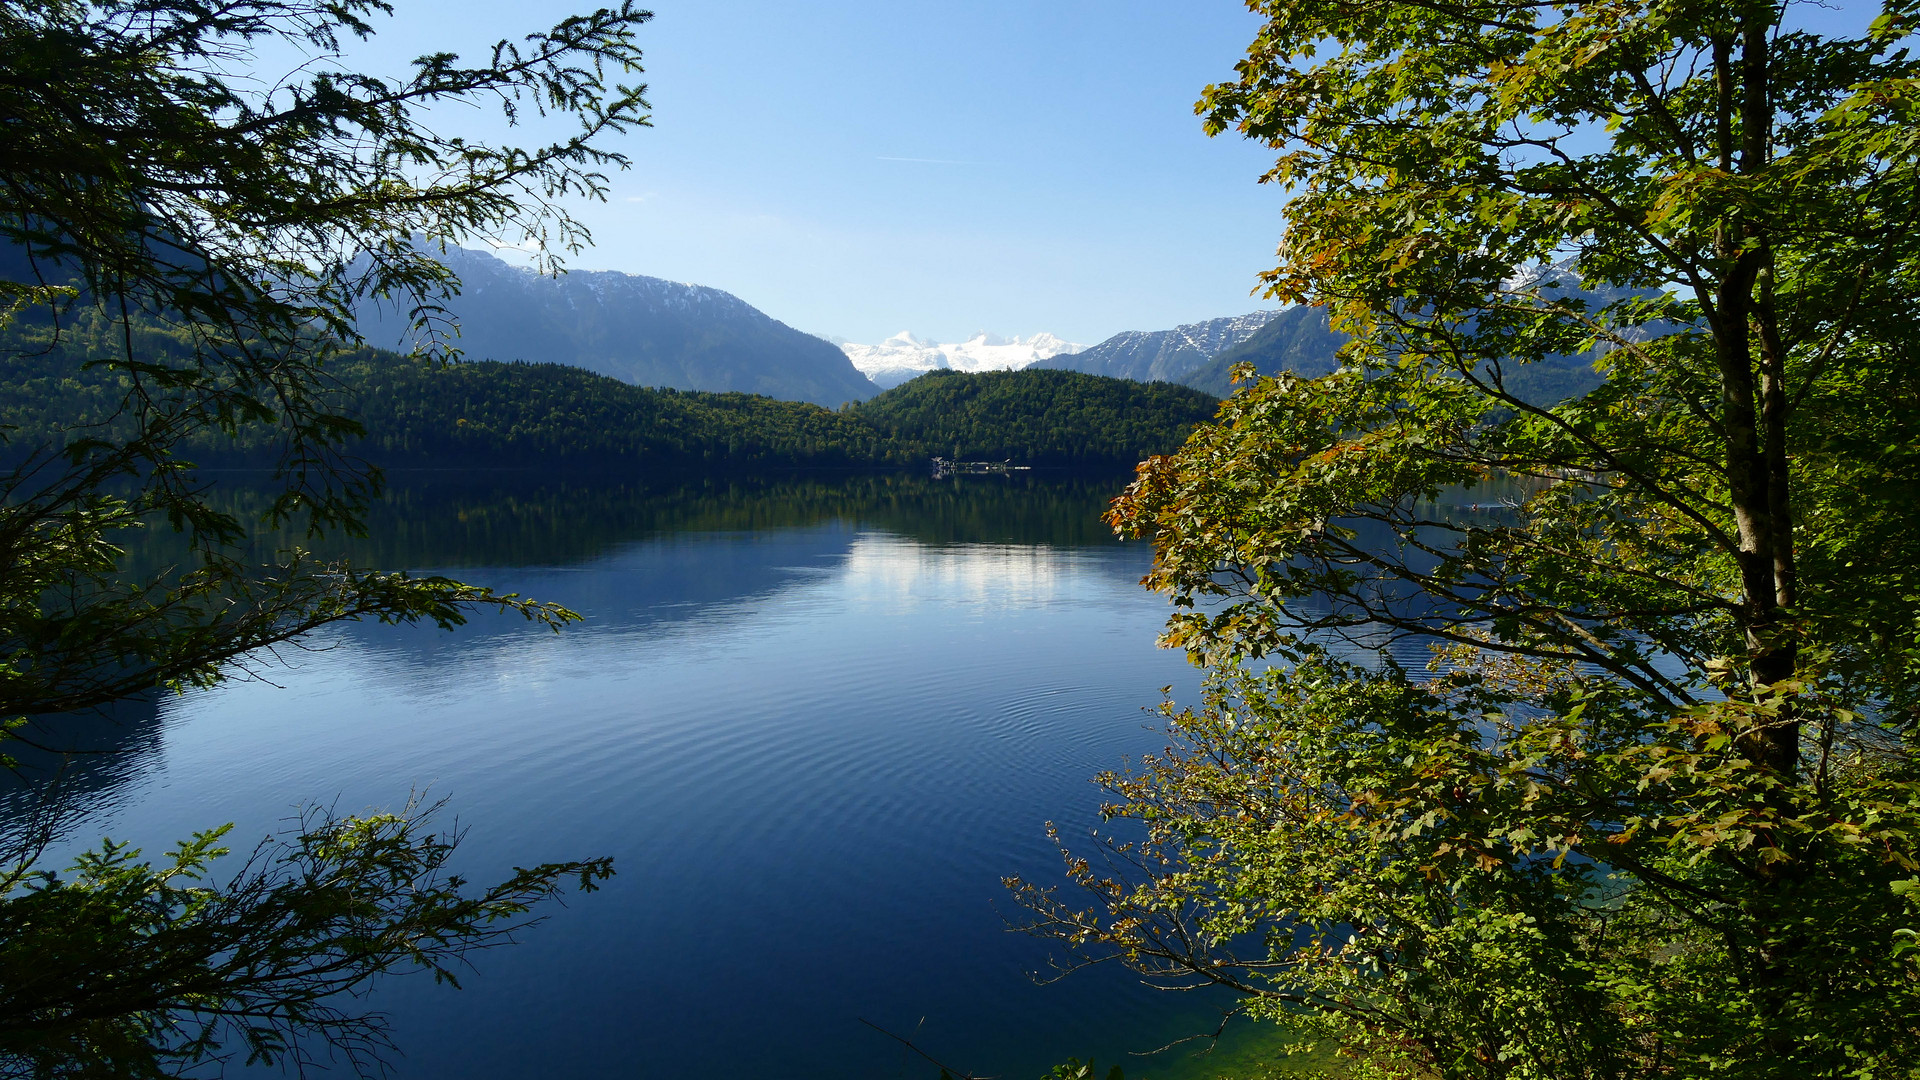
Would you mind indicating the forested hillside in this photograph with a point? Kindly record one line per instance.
(492, 413)
(1039, 416)
(495, 412)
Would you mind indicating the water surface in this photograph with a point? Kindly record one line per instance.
(814, 721)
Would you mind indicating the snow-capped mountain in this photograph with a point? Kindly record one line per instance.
(903, 356)
(1164, 354)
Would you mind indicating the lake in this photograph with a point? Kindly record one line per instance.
(815, 721)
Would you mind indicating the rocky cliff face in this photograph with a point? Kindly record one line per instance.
(641, 330)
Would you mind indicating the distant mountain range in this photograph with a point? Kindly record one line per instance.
(1300, 340)
(650, 332)
(903, 356)
(1164, 355)
(640, 330)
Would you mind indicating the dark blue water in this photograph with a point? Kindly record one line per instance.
(814, 722)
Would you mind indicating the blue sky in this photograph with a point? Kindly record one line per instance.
(861, 167)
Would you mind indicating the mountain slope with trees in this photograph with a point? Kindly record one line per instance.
(487, 413)
(1039, 416)
(1296, 339)
(641, 330)
(1301, 341)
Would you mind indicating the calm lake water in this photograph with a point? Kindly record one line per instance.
(814, 721)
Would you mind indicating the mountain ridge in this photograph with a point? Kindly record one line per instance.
(642, 330)
(1163, 355)
(1296, 339)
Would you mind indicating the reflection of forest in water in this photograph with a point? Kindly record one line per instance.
(447, 520)
(757, 535)
(453, 518)
(69, 765)
(892, 677)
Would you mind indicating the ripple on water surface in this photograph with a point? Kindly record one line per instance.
(814, 752)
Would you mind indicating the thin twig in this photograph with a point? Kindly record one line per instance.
(908, 1043)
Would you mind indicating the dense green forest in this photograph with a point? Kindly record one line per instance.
(489, 413)
(1037, 416)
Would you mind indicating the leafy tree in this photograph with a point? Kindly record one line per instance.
(131, 969)
(223, 235)
(214, 228)
(1653, 809)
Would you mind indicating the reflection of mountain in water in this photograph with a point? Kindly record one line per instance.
(645, 584)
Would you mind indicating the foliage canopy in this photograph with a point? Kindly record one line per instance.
(1653, 809)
